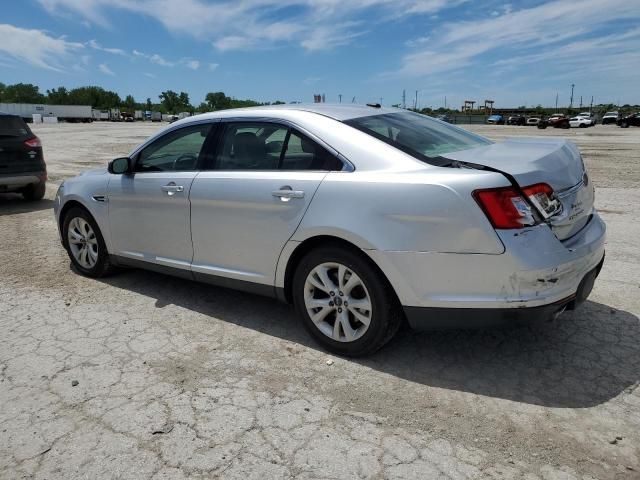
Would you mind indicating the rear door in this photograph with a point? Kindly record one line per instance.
(249, 204)
(149, 210)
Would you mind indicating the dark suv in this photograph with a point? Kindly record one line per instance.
(633, 119)
(22, 167)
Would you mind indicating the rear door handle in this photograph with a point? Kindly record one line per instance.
(286, 193)
(172, 188)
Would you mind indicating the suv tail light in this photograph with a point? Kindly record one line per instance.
(33, 142)
(504, 207)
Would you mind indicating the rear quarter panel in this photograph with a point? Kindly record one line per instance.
(428, 210)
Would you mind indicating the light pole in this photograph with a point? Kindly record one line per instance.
(571, 101)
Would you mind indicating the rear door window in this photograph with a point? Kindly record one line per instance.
(270, 146)
(11, 126)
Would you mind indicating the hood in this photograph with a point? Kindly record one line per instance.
(94, 171)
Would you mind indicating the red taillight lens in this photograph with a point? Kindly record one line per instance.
(504, 207)
(33, 142)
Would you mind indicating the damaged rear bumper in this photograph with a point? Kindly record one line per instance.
(426, 318)
(537, 276)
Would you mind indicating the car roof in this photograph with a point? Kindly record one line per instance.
(338, 111)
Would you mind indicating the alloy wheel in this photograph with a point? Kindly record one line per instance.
(83, 243)
(337, 302)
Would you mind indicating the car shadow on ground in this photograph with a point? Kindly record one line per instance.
(584, 358)
(12, 203)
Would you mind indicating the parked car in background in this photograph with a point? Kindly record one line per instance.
(630, 120)
(580, 122)
(517, 120)
(279, 200)
(557, 120)
(610, 117)
(22, 167)
(533, 121)
(445, 118)
(495, 120)
(590, 116)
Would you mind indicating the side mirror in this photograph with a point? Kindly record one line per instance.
(119, 166)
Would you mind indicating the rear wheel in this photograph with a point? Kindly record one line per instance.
(34, 192)
(85, 244)
(624, 125)
(344, 302)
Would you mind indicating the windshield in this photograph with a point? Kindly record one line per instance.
(418, 135)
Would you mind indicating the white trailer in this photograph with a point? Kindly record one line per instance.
(69, 113)
(138, 115)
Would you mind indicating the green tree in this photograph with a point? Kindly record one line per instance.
(2, 89)
(22, 93)
(58, 97)
(148, 105)
(129, 103)
(97, 97)
(217, 101)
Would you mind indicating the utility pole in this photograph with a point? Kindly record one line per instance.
(445, 102)
(380, 101)
(571, 102)
(415, 105)
(340, 98)
(580, 102)
(353, 100)
(556, 103)
(591, 106)
(404, 99)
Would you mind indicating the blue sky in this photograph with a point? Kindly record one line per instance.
(517, 53)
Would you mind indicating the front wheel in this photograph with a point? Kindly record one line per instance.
(344, 302)
(84, 244)
(624, 125)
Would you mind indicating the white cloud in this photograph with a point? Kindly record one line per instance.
(192, 64)
(150, 75)
(105, 69)
(553, 25)
(115, 51)
(250, 24)
(36, 47)
(213, 66)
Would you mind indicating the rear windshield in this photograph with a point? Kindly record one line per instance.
(418, 135)
(11, 126)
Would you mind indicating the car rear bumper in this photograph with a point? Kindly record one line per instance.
(425, 318)
(16, 181)
(536, 270)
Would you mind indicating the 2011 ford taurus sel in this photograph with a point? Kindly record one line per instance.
(359, 216)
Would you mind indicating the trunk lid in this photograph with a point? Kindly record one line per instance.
(555, 162)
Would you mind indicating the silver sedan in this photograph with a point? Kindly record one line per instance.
(360, 216)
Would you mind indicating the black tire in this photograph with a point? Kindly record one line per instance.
(34, 192)
(386, 315)
(102, 266)
(624, 125)
(582, 125)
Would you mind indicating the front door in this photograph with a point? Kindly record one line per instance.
(250, 203)
(149, 210)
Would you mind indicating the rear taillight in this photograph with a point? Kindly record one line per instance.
(33, 142)
(505, 208)
(543, 198)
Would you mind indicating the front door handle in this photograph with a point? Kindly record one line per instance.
(286, 193)
(172, 188)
